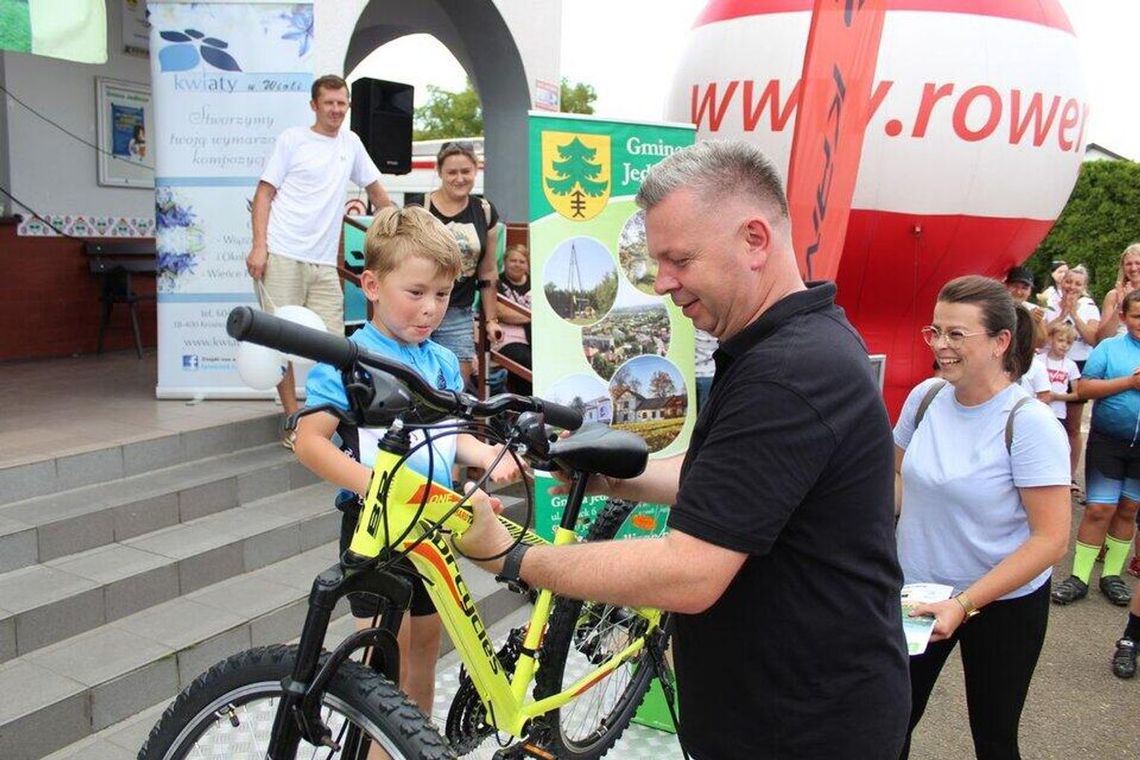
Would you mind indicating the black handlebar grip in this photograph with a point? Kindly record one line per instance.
(246, 323)
(561, 416)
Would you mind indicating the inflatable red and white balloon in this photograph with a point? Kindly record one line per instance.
(976, 135)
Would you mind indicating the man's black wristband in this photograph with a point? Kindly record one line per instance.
(512, 566)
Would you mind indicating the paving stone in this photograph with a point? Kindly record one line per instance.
(75, 534)
(138, 592)
(196, 660)
(43, 696)
(7, 636)
(207, 499)
(210, 567)
(33, 735)
(25, 481)
(132, 579)
(31, 587)
(96, 466)
(247, 596)
(272, 546)
(114, 700)
(145, 515)
(241, 523)
(182, 541)
(298, 572)
(45, 625)
(179, 623)
(110, 563)
(98, 656)
(152, 454)
(258, 431)
(279, 626)
(210, 441)
(19, 546)
(131, 733)
(261, 484)
(301, 476)
(94, 748)
(320, 530)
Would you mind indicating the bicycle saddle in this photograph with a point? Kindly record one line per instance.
(601, 449)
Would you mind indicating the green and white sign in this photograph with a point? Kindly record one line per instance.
(607, 343)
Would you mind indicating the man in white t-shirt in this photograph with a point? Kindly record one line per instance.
(297, 213)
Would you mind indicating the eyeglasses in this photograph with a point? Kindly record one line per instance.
(953, 338)
(464, 145)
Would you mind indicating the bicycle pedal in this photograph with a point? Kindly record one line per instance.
(521, 751)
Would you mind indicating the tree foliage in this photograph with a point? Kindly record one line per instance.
(662, 385)
(1100, 220)
(460, 114)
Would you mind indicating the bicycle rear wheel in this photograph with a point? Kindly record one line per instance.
(580, 636)
(228, 712)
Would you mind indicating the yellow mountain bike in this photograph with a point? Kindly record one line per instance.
(590, 664)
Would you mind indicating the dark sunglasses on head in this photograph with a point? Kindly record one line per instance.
(464, 145)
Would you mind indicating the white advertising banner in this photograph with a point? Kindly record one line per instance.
(227, 78)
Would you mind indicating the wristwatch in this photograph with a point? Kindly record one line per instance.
(512, 565)
(967, 607)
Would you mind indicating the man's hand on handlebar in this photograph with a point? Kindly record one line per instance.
(487, 536)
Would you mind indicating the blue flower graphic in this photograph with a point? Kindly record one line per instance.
(179, 236)
(300, 21)
(191, 46)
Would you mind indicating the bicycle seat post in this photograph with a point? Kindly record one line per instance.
(578, 482)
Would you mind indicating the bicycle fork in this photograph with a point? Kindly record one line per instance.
(299, 713)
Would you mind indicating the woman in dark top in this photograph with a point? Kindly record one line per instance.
(514, 286)
(472, 220)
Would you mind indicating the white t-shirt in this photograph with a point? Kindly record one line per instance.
(1087, 309)
(705, 346)
(310, 171)
(962, 513)
(1036, 379)
(1061, 372)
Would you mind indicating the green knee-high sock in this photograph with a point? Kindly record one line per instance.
(1115, 552)
(1084, 556)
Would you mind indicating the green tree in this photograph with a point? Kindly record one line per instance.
(576, 169)
(460, 114)
(605, 292)
(1100, 220)
(448, 114)
(578, 97)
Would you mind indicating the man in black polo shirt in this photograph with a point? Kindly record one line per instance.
(780, 557)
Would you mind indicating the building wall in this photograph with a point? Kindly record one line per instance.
(49, 170)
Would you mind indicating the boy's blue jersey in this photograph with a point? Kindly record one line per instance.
(1117, 415)
(432, 361)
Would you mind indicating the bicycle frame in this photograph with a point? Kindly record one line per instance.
(394, 497)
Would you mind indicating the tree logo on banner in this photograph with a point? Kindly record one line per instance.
(576, 173)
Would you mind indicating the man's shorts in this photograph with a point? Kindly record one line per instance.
(368, 605)
(288, 282)
(456, 333)
(1112, 470)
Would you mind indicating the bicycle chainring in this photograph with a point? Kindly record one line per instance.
(467, 725)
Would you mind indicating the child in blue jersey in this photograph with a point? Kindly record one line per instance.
(411, 262)
(1112, 462)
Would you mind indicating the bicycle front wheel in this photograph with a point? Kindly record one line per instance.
(580, 637)
(228, 712)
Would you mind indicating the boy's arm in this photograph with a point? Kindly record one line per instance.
(469, 450)
(315, 449)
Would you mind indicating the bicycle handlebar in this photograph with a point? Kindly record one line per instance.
(246, 323)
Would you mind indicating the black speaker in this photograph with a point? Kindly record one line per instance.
(382, 118)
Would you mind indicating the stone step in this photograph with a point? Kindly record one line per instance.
(46, 603)
(44, 528)
(84, 684)
(48, 476)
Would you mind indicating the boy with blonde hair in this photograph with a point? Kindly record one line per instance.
(411, 262)
(1062, 371)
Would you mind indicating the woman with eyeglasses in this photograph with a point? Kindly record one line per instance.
(985, 509)
(1075, 308)
(473, 221)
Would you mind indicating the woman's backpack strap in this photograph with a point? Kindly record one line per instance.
(1009, 422)
(923, 405)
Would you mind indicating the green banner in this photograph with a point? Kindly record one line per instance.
(71, 29)
(606, 343)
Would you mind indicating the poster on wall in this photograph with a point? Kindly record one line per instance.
(631, 366)
(122, 124)
(227, 78)
(136, 29)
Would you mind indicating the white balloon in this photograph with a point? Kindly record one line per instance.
(260, 367)
(305, 317)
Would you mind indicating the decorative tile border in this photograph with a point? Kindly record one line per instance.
(88, 226)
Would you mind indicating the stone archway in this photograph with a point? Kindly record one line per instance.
(481, 40)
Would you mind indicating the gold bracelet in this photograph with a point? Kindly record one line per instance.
(967, 606)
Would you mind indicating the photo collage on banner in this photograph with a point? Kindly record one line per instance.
(606, 343)
(227, 79)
